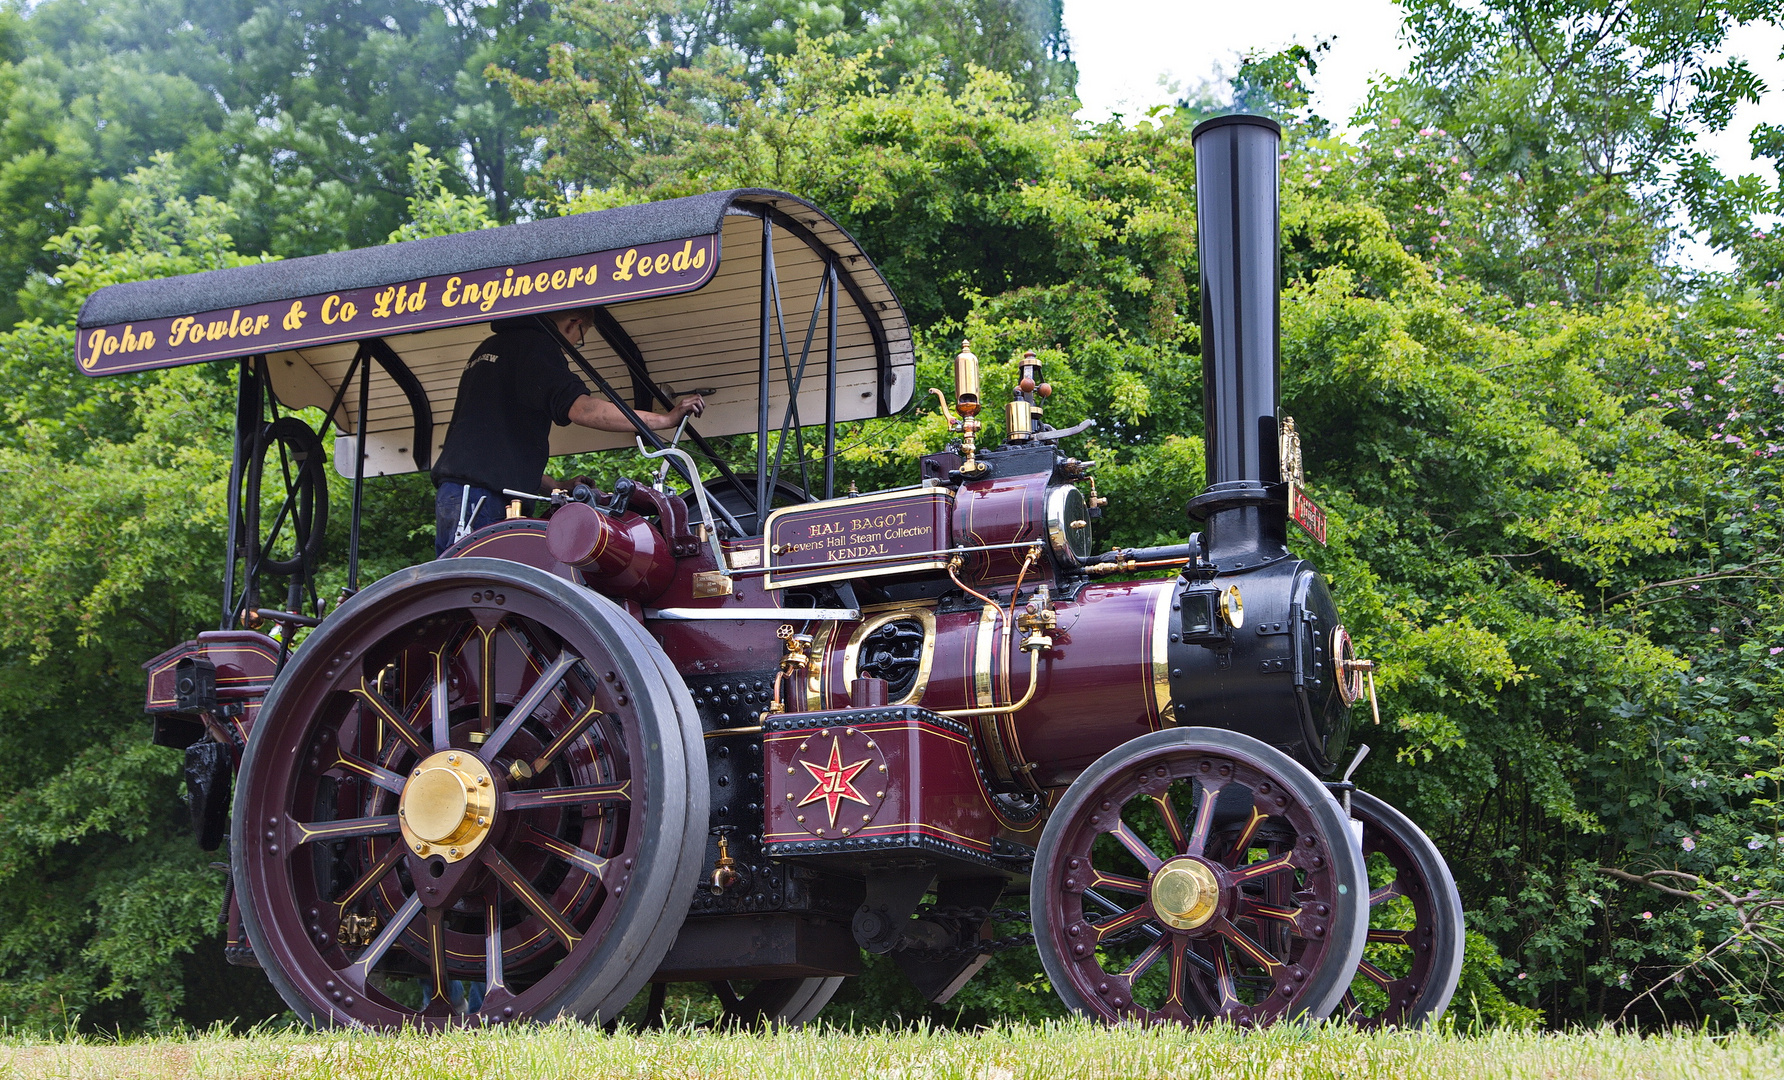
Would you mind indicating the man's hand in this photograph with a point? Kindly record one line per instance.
(692, 403)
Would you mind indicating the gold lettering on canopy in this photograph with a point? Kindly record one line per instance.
(660, 269)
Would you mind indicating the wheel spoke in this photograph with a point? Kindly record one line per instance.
(381, 944)
(436, 953)
(568, 796)
(523, 889)
(523, 708)
(1122, 922)
(1197, 843)
(365, 693)
(438, 697)
(567, 736)
(1387, 892)
(1118, 882)
(1248, 945)
(486, 695)
(1243, 841)
(1282, 862)
(1136, 846)
(1257, 909)
(340, 830)
(1145, 960)
(371, 877)
(1173, 823)
(1394, 937)
(493, 976)
(377, 774)
(1374, 974)
(1225, 989)
(1179, 973)
(567, 851)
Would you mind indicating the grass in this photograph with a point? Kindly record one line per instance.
(1066, 1050)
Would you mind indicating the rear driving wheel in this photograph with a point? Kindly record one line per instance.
(1196, 874)
(473, 796)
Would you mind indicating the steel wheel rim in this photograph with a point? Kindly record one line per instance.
(1417, 983)
(1104, 937)
(575, 851)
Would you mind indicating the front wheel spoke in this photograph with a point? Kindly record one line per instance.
(311, 832)
(1393, 937)
(569, 796)
(523, 889)
(1118, 882)
(1146, 959)
(365, 693)
(1242, 842)
(1135, 846)
(1122, 922)
(567, 736)
(1257, 909)
(564, 849)
(371, 877)
(1284, 861)
(1386, 893)
(1225, 988)
(1248, 945)
(381, 944)
(1374, 974)
(377, 774)
(523, 708)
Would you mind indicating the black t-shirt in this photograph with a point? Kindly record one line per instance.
(515, 386)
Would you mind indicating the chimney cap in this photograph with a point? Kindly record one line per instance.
(1235, 118)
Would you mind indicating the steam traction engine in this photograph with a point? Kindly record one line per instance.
(666, 735)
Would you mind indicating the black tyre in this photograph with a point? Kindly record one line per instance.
(557, 887)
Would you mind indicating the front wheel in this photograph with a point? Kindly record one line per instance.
(1196, 874)
(473, 796)
(1413, 960)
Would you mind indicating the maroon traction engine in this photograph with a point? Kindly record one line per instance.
(708, 728)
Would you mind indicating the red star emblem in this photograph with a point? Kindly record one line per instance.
(833, 781)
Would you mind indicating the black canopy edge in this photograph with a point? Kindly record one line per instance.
(390, 264)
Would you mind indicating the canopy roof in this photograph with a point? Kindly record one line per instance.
(681, 284)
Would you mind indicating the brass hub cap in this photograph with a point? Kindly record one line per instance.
(1185, 893)
(447, 805)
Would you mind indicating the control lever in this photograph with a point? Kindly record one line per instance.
(663, 473)
(693, 475)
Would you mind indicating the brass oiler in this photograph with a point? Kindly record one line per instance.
(1023, 415)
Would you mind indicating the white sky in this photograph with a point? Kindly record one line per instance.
(1131, 52)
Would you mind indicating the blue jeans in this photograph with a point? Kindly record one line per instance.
(448, 504)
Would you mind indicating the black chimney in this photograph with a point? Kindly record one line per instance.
(1237, 222)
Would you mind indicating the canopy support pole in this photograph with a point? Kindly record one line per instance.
(762, 502)
(790, 419)
(247, 425)
(830, 384)
(359, 423)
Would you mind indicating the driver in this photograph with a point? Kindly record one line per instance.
(516, 385)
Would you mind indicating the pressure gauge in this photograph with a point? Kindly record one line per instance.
(1068, 524)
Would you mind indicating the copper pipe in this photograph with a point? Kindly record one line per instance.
(953, 572)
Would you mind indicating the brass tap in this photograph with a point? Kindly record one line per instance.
(1038, 614)
(724, 872)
